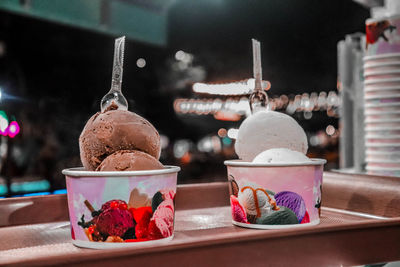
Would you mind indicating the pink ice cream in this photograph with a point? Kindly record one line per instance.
(168, 193)
(238, 212)
(114, 221)
(163, 218)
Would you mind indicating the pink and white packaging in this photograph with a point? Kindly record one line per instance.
(121, 209)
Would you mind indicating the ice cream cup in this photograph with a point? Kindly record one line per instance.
(383, 105)
(378, 94)
(383, 171)
(275, 195)
(383, 163)
(383, 156)
(383, 133)
(386, 147)
(379, 75)
(384, 140)
(120, 209)
(380, 109)
(373, 83)
(383, 123)
(388, 57)
(381, 66)
(382, 116)
(380, 87)
(382, 100)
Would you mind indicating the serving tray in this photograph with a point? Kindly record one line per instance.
(360, 224)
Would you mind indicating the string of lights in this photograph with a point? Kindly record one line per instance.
(323, 101)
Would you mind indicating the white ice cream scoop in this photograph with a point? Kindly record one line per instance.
(280, 155)
(269, 129)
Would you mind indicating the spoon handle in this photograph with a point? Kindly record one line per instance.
(257, 71)
(115, 96)
(116, 80)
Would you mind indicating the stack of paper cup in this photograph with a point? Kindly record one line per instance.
(382, 113)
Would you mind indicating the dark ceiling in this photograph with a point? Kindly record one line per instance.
(51, 68)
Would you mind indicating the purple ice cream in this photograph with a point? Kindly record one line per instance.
(292, 201)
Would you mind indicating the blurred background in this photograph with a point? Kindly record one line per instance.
(56, 63)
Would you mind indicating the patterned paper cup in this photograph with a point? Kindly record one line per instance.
(120, 209)
(275, 196)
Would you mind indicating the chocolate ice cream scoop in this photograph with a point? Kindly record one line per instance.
(115, 130)
(129, 160)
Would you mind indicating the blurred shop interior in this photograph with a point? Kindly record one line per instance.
(186, 68)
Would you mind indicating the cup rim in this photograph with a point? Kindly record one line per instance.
(385, 80)
(383, 88)
(380, 113)
(371, 97)
(388, 161)
(382, 128)
(379, 153)
(381, 72)
(386, 120)
(81, 172)
(381, 64)
(374, 105)
(382, 136)
(376, 168)
(388, 55)
(381, 145)
(240, 163)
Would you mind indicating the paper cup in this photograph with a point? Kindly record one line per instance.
(387, 57)
(382, 116)
(275, 196)
(368, 66)
(383, 164)
(382, 100)
(121, 209)
(382, 82)
(379, 75)
(383, 124)
(382, 156)
(378, 94)
(382, 105)
(383, 171)
(380, 109)
(391, 148)
(384, 140)
(382, 133)
(379, 87)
